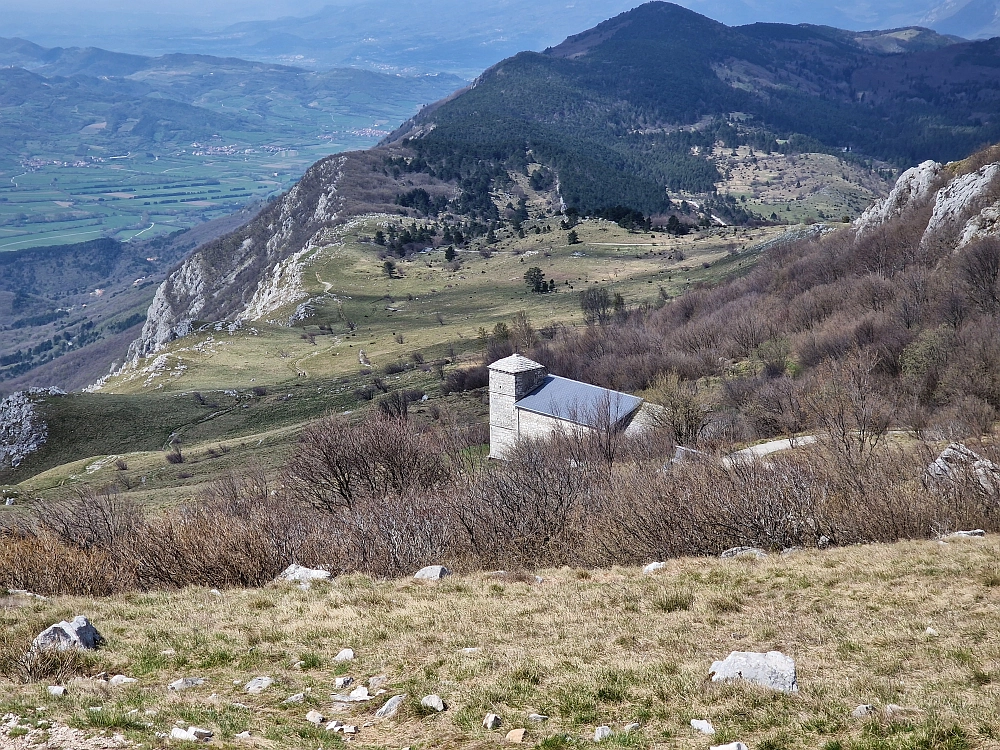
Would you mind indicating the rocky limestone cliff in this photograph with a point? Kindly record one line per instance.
(23, 430)
(248, 274)
(954, 203)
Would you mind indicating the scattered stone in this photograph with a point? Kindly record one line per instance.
(974, 534)
(492, 721)
(243, 736)
(862, 711)
(258, 685)
(77, 633)
(315, 717)
(345, 655)
(339, 726)
(26, 593)
(119, 679)
(168, 652)
(703, 725)
(297, 698)
(790, 551)
(215, 592)
(358, 695)
(390, 707)
(602, 733)
(374, 683)
(298, 665)
(56, 690)
(471, 650)
(432, 573)
(654, 566)
(754, 552)
(931, 632)
(730, 746)
(432, 701)
(633, 727)
(341, 682)
(191, 734)
(537, 717)
(772, 670)
(302, 575)
(515, 736)
(185, 682)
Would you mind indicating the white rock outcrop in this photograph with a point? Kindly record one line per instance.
(772, 670)
(302, 575)
(958, 462)
(23, 429)
(432, 573)
(913, 187)
(77, 633)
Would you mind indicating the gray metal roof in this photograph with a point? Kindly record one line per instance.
(578, 402)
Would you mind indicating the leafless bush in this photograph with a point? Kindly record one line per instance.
(338, 462)
(19, 662)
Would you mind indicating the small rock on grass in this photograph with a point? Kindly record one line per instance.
(432, 573)
(297, 698)
(77, 633)
(258, 685)
(345, 655)
(602, 733)
(185, 682)
(492, 721)
(653, 567)
(755, 552)
(862, 711)
(730, 746)
(315, 717)
(772, 670)
(515, 736)
(537, 717)
(56, 690)
(633, 727)
(342, 682)
(390, 707)
(119, 679)
(703, 725)
(432, 701)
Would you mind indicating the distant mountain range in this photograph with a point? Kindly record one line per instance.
(434, 35)
(614, 120)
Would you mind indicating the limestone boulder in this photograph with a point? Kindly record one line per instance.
(432, 573)
(77, 633)
(772, 670)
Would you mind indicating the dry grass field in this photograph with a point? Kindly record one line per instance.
(585, 648)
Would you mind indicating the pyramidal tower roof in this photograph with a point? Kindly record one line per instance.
(514, 364)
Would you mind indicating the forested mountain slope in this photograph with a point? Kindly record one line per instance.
(611, 122)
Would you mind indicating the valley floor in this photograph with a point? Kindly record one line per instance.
(911, 624)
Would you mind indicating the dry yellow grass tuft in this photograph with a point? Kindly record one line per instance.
(585, 648)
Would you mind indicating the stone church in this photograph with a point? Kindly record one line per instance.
(527, 402)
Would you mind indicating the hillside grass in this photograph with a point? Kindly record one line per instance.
(583, 647)
(428, 308)
(215, 432)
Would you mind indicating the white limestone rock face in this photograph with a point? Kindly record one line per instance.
(23, 429)
(913, 187)
(77, 633)
(958, 462)
(961, 199)
(772, 670)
